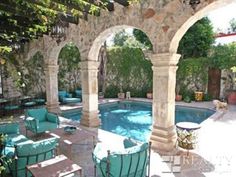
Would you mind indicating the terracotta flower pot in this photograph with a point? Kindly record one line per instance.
(178, 97)
(232, 97)
(121, 95)
(149, 95)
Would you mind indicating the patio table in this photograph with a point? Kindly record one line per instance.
(56, 167)
(70, 144)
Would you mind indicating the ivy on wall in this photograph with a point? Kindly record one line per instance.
(69, 68)
(128, 70)
(27, 75)
(192, 75)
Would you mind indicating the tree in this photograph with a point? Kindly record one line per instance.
(232, 24)
(120, 38)
(142, 38)
(198, 39)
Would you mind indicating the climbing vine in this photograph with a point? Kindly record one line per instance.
(192, 75)
(69, 68)
(128, 70)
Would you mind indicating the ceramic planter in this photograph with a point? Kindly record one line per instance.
(149, 95)
(198, 96)
(121, 95)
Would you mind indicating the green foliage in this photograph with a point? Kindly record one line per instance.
(223, 56)
(192, 71)
(111, 91)
(142, 38)
(120, 38)
(197, 40)
(187, 99)
(128, 70)
(69, 68)
(232, 24)
(207, 97)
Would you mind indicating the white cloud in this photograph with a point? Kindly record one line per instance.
(220, 17)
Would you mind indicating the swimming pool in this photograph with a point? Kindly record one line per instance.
(134, 119)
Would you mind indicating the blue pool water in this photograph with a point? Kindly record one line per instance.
(134, 119)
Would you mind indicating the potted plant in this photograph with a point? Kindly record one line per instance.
(178, 96)
(121, 94)
(198, 94)
(231, 92)
(149, 94)
(100, 95)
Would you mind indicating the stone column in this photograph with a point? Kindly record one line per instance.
(89, 73)
(163, 135)
(52, 88)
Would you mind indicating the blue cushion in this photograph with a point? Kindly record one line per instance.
(12, 107)
(30, 103)
(46, 126)
(36, 153)
(71, 100)
(9, 128)
(62, 94)
(40, 114)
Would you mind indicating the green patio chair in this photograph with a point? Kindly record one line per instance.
(40, 120)
(133, 161)
(66, 98)
(30, 152)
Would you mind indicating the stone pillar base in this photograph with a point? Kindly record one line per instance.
(163, 139)
(90, 119)
(54, 108)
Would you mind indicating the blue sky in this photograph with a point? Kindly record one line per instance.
(220, 17)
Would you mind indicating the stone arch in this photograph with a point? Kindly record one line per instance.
(97, 43)
(33, 52)
(193, 19)
(69, 69)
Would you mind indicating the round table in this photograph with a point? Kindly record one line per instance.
(187, 133)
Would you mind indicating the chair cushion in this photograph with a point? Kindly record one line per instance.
(30, 103)
(13, 139)
(9, 128)
(78, 93)
(46, 126)
(40, 101)
(39, 114)
(35, 151)
(12, 107)
(125, 162)
(62, 94)
(71, 100)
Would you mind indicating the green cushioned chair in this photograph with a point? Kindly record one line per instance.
(30, 152)
(12, 138)
(66, 98)
(11, 130)
(78, 93)
(132, 161)
(40, 120)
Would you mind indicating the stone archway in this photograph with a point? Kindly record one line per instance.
(165, 22)
(89, 71)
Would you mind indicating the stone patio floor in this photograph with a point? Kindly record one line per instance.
(214, 156)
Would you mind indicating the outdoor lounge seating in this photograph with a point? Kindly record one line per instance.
(78, 93)
(30, 152)
(133, 160)
(66, 98)
(40, 120)
(18, 151)
(12, 132)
